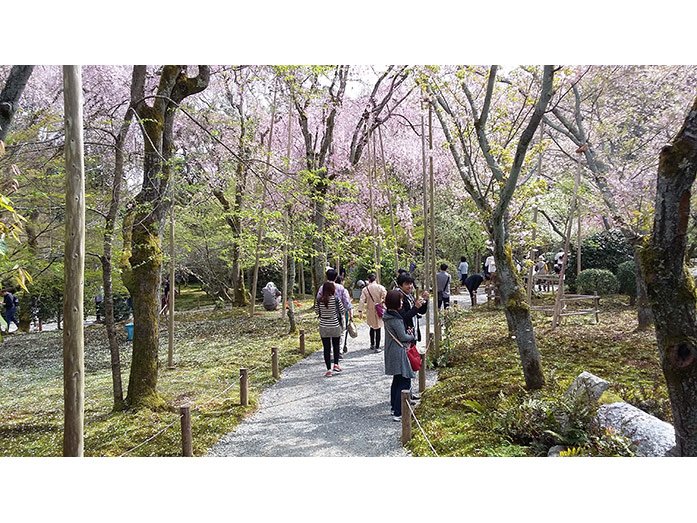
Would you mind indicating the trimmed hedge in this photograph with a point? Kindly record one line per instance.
(626, 277)
(601, 281)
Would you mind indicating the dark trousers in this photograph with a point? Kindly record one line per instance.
(375, 338)
(443, 301)
(463, 278)
(328, 343)
(399, 383)
(10, 316)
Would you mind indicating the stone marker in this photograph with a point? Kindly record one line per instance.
(652, 436)
(587, 386)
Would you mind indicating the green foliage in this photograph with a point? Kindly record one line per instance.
(603, 250)
(599, 281)
(626, 278)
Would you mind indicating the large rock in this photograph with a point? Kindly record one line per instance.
(588, 387)
(651, 436)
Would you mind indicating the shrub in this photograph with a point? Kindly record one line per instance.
(626, 277)
(601, 281)
(603, 250)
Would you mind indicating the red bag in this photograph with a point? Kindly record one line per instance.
(379, 307)
(414, 357)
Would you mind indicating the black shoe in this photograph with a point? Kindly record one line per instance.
(345, 349)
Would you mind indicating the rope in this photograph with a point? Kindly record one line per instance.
(413, 415)
(151, 437)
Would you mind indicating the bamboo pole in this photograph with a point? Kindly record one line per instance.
(389, 200)
(370, 152)
(432, 221)
(260, 230)
(378, 238)
(287, 221)
(560, 289)
(533, 251)
(73, 333)
(172, 284)
(302, 341)
(578, 243)
(425, 215)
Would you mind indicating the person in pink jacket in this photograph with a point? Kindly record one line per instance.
(373, 294)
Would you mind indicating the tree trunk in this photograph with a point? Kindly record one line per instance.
(517, 311)
(644, 313)
(671, 289)
(10, 95)
(145, 263)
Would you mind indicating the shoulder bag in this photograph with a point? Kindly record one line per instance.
(412, 352)
(379, 307)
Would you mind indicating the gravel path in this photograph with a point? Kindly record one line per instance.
(306, 414)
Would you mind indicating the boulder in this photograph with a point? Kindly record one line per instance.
(555, 450)
(651, 436)
(588, 387)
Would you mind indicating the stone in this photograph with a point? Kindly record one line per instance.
(587, 386)
(555, 450)
(651, 436)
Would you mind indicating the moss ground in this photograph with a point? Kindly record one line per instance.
(210, 348)
(484, 373)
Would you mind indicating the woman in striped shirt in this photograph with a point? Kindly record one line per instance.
(331, 314)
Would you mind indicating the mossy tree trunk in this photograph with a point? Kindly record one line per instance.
(142, 276)
(10, 95)
(511, 290)
(670, 286)
(513, 299)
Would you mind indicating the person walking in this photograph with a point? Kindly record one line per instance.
(331, 318)
(372, 295)
(397, 341)
(443, 287)
(463, 270)
(11, 304)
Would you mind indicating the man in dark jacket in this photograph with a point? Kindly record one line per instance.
(411, 306)
(10, 312)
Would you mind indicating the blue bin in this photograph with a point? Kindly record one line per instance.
(129, 330)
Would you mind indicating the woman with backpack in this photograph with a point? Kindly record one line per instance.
(372, 300)
(331, 322)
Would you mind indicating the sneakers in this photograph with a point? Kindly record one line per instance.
(415, 396)
(337, 368)
(328, 374)
(396, 418)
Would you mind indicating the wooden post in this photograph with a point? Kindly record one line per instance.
(302, 341)
(244, 387)
(274, 363)
(578, 241)
(187, 441)
(74, 269)
(406, 417)
(422, 374)
(596, 303)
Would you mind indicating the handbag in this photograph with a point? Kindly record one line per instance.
(413, 354)
(379, 307)
(351, 328)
